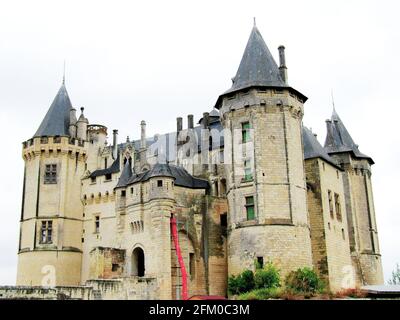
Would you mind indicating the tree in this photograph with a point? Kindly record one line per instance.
(395, 280)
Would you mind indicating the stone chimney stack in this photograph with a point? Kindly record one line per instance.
(178, 124)
(282, 64)
(190, 121)
(115, 144)
(72, 123)
(206, 120)
(143, 134)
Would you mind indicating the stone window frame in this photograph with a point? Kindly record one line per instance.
(250, 204)
(330, 204)
(97, 223)
(246, 131)
(338, 207)
(248, 170)
(50, 173)
(46, 232)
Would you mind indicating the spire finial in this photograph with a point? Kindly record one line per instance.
(254, 21)
(333, 101)
(63, 81)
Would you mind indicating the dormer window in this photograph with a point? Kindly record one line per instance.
(108, 176)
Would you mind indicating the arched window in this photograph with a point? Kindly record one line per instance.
(138, 268)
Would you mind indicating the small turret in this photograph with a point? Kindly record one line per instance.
(81, 126)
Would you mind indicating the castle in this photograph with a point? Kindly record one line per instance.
(171, 216)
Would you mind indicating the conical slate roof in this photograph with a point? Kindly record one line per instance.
(339, 140)
(258, 67)
(313, 149)
(56, 121)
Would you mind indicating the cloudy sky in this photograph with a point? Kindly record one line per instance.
(157, 60)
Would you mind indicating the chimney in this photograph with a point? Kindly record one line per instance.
(72, 123)
(190, 121)
(143, 134)
(282, 64)
(115, 144)
(206, 120)
(178, 124)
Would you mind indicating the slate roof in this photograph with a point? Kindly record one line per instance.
(125, 175)
(56, 121)
(257, 68)
(313, 149)
(338, 139)
(114, 168)
(181, 176)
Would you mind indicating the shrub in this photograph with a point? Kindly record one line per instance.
(241, 283)
(350, 293)
(267, 278)
(261, 294)
(304, 280)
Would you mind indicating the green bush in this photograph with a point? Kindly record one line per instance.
(241, 283)
(267, 278)
(304, 280)
(261, 294)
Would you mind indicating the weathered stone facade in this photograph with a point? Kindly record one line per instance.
(250, 184)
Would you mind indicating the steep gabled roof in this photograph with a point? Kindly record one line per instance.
(339, 140)
(56, 121)
(313, 149)
(125, 175)
(114, 168)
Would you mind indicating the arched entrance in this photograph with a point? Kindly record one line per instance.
(138, 268)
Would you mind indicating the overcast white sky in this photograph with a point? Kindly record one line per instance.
(156, 60)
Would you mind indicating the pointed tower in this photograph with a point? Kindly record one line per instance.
(363, 234)
(51, 219)
(262, 119)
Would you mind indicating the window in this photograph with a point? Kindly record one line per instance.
(108, 176)
(123, 193)
(260, 262)
(159, 183)
(210, 143)
(248, 175)
(93, 179)
(114, 267)
(131, 190)
(50, 175)
(191, 265)
(245, 132)
(330, 203)
(138, 263)
(250, 208)
(337, 207)
(223, 218)
(97, 224)
(221, 156)
(46, 232)
(343, 235)
(105, 163)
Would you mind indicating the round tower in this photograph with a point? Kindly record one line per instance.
(51, 219)
(264, 166)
